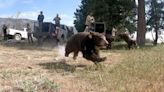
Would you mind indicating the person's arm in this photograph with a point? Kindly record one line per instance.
(88, 18)
(93, 19)
(38, 17)
(54, 19)
(86, 21)
(3, 28)
(42, 18)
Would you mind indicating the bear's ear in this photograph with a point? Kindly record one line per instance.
(91, 33)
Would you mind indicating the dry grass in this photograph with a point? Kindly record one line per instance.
(29, 68)
(141, 70)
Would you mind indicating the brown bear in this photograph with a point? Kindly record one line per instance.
(88, 43)
(131, 43)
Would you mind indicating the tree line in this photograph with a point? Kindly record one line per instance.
(125, 15)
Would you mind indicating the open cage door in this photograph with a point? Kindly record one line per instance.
(99, 27)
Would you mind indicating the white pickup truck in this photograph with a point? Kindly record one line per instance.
(18, 34)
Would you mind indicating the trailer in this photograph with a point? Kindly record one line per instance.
(99, 27)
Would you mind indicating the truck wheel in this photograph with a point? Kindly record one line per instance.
(18, 37)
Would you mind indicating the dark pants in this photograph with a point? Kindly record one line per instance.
(30, 40)
(40, 26)
(57, 25)
(5, 37)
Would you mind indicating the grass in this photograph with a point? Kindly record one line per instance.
(141, 70)
(32, 69)
(37, 84)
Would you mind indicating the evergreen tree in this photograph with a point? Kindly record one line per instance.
(81, 14)
(155, 17)
(115, 13)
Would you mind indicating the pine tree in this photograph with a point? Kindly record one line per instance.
(81, 14)
(115, 13)
(155, 17)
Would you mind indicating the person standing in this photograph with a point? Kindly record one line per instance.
(40, 22)
(57, 20)
(57, 29)
(29, 33)
(4, 28)
(40, 19)
(89, 22)
(70, 32)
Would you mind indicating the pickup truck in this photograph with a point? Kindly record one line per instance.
(48, 29)
(17, 34)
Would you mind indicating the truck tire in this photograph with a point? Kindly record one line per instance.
(17, 37)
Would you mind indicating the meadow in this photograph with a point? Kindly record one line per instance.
(30, 68)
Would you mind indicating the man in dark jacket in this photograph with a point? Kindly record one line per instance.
(4, 28)
(40, 19)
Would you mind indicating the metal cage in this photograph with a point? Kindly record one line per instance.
(99, 27)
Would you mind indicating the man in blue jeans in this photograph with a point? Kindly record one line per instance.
(40, 20)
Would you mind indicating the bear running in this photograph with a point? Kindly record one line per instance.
(88, 43)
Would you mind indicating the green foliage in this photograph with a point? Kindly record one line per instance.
(115, 13)
(80, 15)
(38, 84)
(155, 16)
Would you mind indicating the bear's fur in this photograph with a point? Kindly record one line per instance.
(88, 43)
(110, 39)
(131, 43)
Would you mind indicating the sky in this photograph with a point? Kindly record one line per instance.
(30, 9)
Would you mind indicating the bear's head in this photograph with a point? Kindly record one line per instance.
(99, 39)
